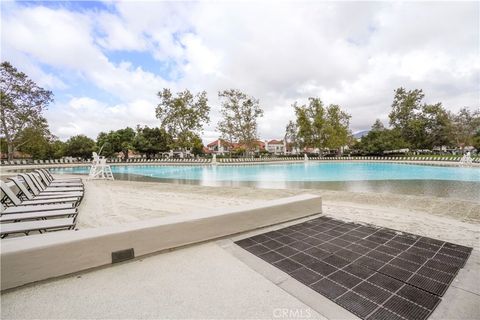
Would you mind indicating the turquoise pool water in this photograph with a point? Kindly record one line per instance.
(297, 172)
(360, 177)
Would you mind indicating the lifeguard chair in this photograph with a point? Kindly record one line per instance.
(100, 170)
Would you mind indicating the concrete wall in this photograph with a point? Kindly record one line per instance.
(38, 257)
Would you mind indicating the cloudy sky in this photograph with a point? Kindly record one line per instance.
(105, 61)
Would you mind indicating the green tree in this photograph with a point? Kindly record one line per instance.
(421, 125)
(35, 142)
(465, 126)
(56, 149)
(322, 127)
(437, 126)
(337, 129)
(240, 115)
(291, 136)
(476, 141)
(188, 140)
(79, 146)
(116, 141)
(196, 144)
(105, 148)
(3, 145)
(22, 104)
(311, 123)
(151, 141)
(183, 115)
(378, 126)
(379, 139)
(404, 116)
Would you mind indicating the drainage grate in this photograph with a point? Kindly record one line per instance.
(373, 292)
(356, 304)
(123, 255)
(419, 296)
(428, 284)
(384, 314)
(328, 288)
(406, 308)
(396, 272)
(345, 279)
(375, 273)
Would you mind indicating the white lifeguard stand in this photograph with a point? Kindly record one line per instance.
(100, 169)
(466, 159)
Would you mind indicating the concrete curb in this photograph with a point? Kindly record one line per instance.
(38, 257)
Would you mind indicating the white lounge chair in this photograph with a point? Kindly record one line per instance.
(57, 183)
(34, 208)
(17, 202)
(40, 226)
(38, 215)
(42, 186)
(53, 179)
(37, 188)
(32, 196)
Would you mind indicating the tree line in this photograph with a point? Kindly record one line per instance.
(417, 125)
(182, 116)
(145, 140)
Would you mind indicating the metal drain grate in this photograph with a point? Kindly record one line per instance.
(375, 273)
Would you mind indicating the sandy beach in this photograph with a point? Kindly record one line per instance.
(109, 203)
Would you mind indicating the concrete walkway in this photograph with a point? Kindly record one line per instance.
(203, 281)
(215, 280)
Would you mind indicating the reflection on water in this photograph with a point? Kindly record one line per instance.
(451, 182)
(298, 172)
(467, 190)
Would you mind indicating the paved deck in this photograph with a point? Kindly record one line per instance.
(461, 300)
(212, 280)
(203, 281)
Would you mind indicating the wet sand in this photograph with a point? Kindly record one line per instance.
(465, 190)
(118, 202)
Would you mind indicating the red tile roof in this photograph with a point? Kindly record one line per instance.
(206, 150)
(222, 142)
(275, 142)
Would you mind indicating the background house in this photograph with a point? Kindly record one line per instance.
(223, 147)
(276, 147)
(220, 147)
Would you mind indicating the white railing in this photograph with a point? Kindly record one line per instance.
(466, 160)
(100, 169)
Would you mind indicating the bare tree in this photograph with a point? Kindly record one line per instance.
(240, 114)
(183, 116)
(291, 136)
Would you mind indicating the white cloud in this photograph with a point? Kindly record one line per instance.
(117, 35)
(200, 58)
(84, 115)
(352, 54)
(65, 40)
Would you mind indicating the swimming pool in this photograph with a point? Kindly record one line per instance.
(362, 176)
